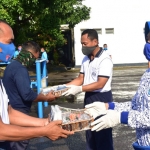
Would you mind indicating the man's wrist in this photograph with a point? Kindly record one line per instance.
(107, 106)
(46, 98)
(41, 122)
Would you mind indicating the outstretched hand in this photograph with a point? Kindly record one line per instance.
(50, 96)
(73, 90)
(95, 109)
(54, 131)
(111, 119)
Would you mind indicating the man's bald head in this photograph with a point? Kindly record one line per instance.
(6, 32)
(7, 47)
(1, 24)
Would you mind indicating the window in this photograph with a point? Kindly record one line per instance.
(99, 31)
(82, 30)
(109, 30)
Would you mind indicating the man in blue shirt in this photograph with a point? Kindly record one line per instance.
(17, 51)
(16, 81)
(44, 54)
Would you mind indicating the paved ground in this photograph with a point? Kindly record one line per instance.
(124, 85)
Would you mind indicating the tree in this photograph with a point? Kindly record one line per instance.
(40, 20)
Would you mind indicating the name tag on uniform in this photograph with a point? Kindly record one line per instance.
(94, 72)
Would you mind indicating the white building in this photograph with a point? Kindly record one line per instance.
(120, 24)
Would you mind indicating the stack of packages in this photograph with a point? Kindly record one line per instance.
(72, 119)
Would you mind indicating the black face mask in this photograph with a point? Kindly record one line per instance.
(88, 50)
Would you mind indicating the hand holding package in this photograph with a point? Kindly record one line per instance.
(111, 119)
(73, 90)
(95, 109)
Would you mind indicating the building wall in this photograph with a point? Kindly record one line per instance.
(127, 18)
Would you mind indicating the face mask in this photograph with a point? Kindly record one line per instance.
(6, 51)
(19, 49)
(88, 50)
(105, 48)
(26, 58)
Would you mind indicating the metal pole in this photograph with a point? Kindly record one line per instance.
(38, 75)
(44, 74)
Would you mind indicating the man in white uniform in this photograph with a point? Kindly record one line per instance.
(95, 80)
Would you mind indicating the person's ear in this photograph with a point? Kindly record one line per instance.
(95, 42)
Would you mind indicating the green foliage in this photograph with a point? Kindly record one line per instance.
(40, 20)
(56, 57)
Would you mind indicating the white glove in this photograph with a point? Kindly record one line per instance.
(73, 90)
(111, 119)
(95, 109)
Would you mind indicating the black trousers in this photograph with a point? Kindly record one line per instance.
(101, 140)
(20, 145)
(5, 146)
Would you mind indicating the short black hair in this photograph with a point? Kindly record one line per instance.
(43, 47)
(31, 45)
(19, 45)
(92, 34)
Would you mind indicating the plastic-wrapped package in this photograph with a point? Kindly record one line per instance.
(56, 113)
(57, 90)
(72, 119)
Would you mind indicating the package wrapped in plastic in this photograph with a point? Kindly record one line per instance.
(56, 113)
(72, 119)
(56, 90)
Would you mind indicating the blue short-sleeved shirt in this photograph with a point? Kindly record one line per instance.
(16, 81)
(44, 56)
(16, 54)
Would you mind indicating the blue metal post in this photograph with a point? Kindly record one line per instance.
(44, 74)
(38, 75)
